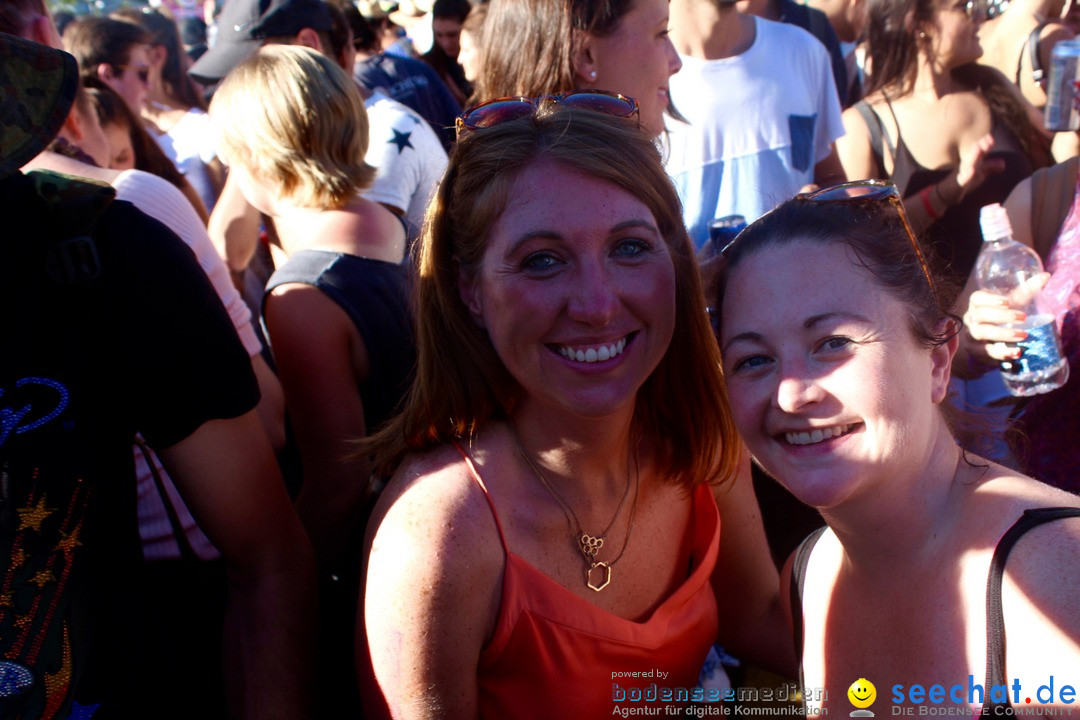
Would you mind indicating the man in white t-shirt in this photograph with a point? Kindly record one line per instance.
(408, 155)
(762, 112)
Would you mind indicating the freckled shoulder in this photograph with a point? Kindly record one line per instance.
(433, 584)
(435, 494)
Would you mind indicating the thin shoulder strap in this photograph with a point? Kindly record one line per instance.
(1026, 50)
(1033, 53)
(798, 580)
(879, 139)
(995, 619)
(896, 124)
(487, 496)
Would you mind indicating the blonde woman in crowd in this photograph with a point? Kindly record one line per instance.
(293, 132)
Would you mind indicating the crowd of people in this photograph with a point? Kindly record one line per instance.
(383, 359)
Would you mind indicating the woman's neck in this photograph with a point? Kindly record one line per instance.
(708, 31)
(585, 457)
(933, 80)
(158, 96)
(906, 519)
(352, 229)
(160, 116)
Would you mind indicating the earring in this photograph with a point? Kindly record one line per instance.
(922, 35)
(592, 75)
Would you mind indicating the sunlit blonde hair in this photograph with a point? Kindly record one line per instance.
(297, 122)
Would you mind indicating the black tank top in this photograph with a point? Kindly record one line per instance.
(375, 296)
(995, 618)
(955, 237)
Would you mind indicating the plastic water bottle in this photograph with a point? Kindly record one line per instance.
(1003, 266)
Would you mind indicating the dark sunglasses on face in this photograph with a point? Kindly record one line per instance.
(499, 110)
(142, 71)
(978, 10)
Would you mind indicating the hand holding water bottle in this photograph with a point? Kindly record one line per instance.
(993, 320)
(1010, 276)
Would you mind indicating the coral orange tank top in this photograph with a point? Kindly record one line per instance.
(554, 655)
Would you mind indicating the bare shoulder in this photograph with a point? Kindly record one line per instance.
(855, 122)
(434, 494)
(1051, 34)
(1039, 593)
(432, 585)
(1042, 572)
(1004, 493)
(855, 148)
(303, 307)
(1050, 550)
(307, 330)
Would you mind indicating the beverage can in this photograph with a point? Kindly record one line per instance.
(723, 230)
(1060, 113)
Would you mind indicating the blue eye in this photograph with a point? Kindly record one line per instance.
(538, 262)
(836, 343)
(631, 247)
(751, 362)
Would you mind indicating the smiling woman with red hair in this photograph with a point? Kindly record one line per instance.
(559, 458)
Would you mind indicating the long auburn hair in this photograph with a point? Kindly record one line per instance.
(461, 383)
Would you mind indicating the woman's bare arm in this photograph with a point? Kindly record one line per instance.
(433, 588)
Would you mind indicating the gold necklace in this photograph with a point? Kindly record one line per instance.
(590, 545)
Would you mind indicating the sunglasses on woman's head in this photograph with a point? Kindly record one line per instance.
(863, 191)
(499, 110)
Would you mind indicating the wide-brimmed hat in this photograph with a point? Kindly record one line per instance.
(38, 85)
(245, 24)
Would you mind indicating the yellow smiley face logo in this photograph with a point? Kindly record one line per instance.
(862, 693)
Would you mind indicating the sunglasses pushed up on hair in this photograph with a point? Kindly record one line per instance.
(863, 191)
(859, 191)
(505, 109)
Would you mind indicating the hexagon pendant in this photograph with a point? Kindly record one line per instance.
(598, 576)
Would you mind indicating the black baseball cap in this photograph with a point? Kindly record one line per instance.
(245, 24)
